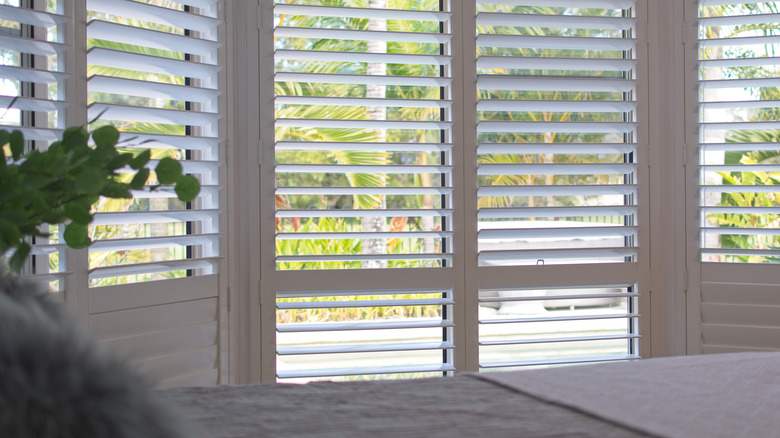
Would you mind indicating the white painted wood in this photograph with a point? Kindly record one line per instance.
(742, 337)
(125, 323)
(129, 296)
(364, 279)
(150, 345)
(740, 293)
(549, 276)
(743, 315)
(177, 365)
(202, 378)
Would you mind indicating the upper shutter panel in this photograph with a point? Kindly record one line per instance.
(739, 174)
(557, 133)
(32, 83)
(363, 189)
(153, 73)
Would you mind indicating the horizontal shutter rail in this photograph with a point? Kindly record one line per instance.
(359, 292)
(151, 115)
(154, 242)
(577, 360)
(349, 213)
(121, 33)
(361, 168)
(564, 127)
(132, 87)
(31, 17)
(740, 104)
(742, 41)
(154, 14)
(362, 146)
(32, 104)
(726, 147)
(168, 192)
(735, 188)
(738, 20)
(361, 124)
(558, 340)
(362, 258)
(365, 303)
(361, 101)
(48, 277)
(546, 297)
(364, 348)
(357, 371)
(564, 106)
(387, 14)
(730, 2)
(559, 318)
(361, 35)
(554, 21)
(578, 190)
(32, 75)
(552, 254)
(35, 47)
(151, 64)
(740, 210)
(739, 83)
(554, 42)
(341, 191)
(740, 231)
(556, 148)
(568, 64)
(193, 166)
(389, 325)
(35, 134)
(154, 267)
(333, 78)
(379, 58)
(47, 248)
(366, 235)
(556, 169)
(739, 62)
(551, 83)
(741, 252)
(155, 217)
(537, 212)
(600, 4)
(198, 3)
(735, 168)
(162, 141)
(736, 126)
(566, 232)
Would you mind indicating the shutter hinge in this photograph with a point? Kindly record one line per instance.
(228, 299)
(260, 152)
(685, 281)
(685, 155)
(650, 283)
(260, 14)
(683, 32)
(227, 153)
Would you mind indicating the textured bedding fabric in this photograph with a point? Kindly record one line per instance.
(462, 406)
(726, 395)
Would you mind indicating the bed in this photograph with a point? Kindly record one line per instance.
(726, 395)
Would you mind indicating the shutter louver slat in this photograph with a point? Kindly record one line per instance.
(557, 150)
(363, 167)
(154, 74)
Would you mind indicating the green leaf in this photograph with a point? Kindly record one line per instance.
(106, 136)
(117, 190)
(78, 213)
(73, 137)
(76, 236)
(141, 159)
(139, 180)
(16, 262)
(91, 181)
(16, 141)
(168, 171)
(187, 188)
(9, 233)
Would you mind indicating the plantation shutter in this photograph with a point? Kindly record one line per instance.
(363, 189)
(738, 172)
(33, 101)
(153, 72)
(559, 172)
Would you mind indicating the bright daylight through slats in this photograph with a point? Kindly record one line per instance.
(739, 99)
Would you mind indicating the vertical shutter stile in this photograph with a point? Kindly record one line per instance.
(363, 189)
(558, 186)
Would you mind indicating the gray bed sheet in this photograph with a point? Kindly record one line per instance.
(461, 406)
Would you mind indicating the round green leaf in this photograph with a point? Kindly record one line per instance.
(141, 159)
(187, 188)
(140, 179)
(168, 171)
(16, 141)
(91, 180)
(76, 236)
(106, 136)
(74, 136)
(78, 213)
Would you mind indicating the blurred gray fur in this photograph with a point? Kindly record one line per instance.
(55, 382)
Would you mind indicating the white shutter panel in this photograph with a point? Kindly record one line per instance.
(738, 174)
(558, 181)
(33, 100)
(153, 72)
(364, 191)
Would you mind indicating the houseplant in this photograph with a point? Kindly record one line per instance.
(60, 185)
